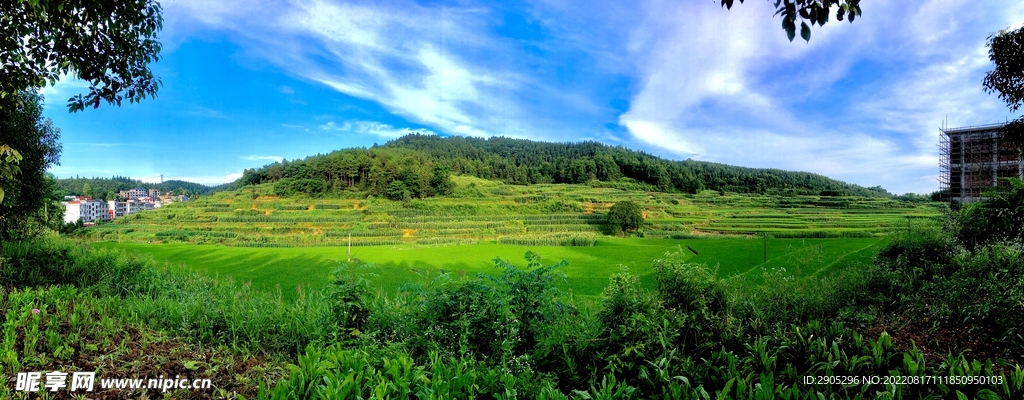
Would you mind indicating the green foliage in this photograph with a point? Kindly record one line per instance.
(813, 11)
(290, 187)
(48, 261)
(517, 161)
(9, 159)
(397, 190)
(71, 228)
(63, 328)
(1006, 50)
(1000, 217)
(23, 127)
(107, 188)
(928, 276)
(349, 298)
(424, 164)
(559, 239)
(625, 216)
(515, 335)
(107, 44)
(185, 235)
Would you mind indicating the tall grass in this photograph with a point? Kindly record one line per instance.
(515, 335)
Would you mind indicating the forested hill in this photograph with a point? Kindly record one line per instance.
(107, 188)
(418, 166)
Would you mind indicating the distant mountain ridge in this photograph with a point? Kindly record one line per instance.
(417, 166)
(103, 188)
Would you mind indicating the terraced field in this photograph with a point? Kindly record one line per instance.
(487, 211)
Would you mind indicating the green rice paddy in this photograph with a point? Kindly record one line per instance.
(587, 274)
(252, 236)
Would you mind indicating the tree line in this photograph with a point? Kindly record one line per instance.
(108, 188)
(416, 165)
(399, 174)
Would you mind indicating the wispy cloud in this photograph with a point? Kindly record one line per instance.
(66, 87)
(744, 95)
(439, 66)
(860, 102)
(258, 158)
(371, 128)
(206, 112)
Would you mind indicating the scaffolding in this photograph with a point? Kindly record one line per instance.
(974, 158)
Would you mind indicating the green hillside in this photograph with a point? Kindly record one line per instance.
(482, 210)
(417, 166)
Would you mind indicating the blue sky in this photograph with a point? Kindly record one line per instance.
(246, 84)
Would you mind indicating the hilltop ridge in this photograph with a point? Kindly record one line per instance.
(417, 166)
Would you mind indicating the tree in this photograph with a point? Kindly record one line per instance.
(397, 190)
(813, 11)
(1006, 50)
(441, 181)
(625, 216)
(9, 159)
(108, 44)
(23, 127)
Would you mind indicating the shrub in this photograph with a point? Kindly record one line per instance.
(625, 216)
(51, 261)
(1000, 217)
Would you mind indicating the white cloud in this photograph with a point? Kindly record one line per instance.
(371, 128)
(861, 102)
(258, 158)
(66, 87)
(438, 66)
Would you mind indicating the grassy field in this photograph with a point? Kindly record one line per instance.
(253, 236)
(488, 211)
(586, 275)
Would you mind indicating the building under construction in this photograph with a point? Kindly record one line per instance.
(975, 158)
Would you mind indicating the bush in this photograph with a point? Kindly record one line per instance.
(625, 216)
(1000, 217)
(51, 261)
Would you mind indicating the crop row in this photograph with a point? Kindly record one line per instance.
(444, 240)
(798, 233)
(354, 242)
(563, 228)
(184, 234)
(506, 218)
(364, 233)
(287, 207)
(274, 218)
(577, 239)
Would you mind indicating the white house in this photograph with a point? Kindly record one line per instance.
(86, 209)
(117, 208)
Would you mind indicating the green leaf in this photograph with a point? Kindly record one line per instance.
(987, 394)
(790, 28)
(805, 32)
